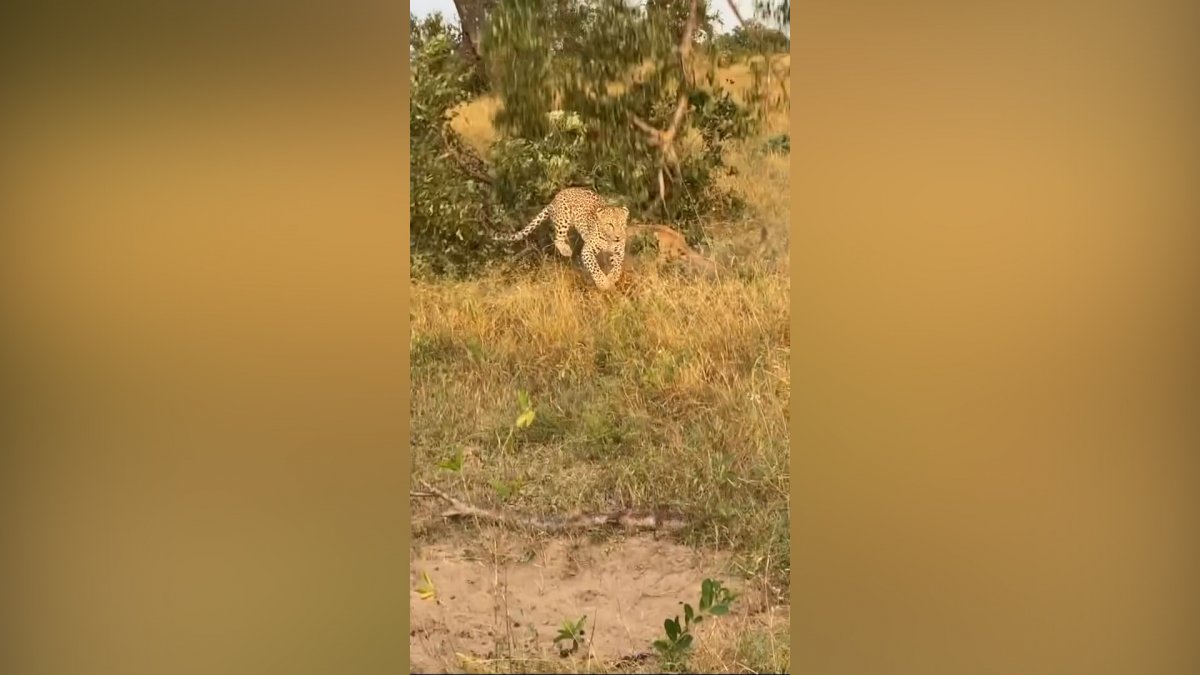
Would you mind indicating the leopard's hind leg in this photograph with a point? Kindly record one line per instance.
(561, 228)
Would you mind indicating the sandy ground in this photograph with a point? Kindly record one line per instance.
(505, 597)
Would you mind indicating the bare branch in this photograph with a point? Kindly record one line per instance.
(644, 126)
(665, 138)
(680, 109)
(737, 15)
(467, 160)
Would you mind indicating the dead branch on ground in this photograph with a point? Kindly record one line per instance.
(623, 519)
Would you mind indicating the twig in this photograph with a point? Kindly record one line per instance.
(466, 158)
(632, 660)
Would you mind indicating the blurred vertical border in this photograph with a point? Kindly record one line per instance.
(205, 270)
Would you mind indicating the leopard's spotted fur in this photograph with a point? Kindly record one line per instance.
(599, 224)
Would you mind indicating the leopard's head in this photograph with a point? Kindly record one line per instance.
(612, 221)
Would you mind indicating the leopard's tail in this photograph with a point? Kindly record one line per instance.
(537, 220)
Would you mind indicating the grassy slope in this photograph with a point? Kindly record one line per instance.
(671, 392)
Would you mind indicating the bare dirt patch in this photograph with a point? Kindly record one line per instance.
(500, 599)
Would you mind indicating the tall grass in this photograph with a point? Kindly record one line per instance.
(673, 393)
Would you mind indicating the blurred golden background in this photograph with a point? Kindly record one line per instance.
(205, 263)
(203, 276)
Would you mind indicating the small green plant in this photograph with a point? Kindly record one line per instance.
(452, 463)
(714, 601)
(570, 636)
(426, 590)
(525, 419)
(506, 489)
(780, 144)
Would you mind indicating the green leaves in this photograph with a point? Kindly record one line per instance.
(505, 490)
(715, 598)
(452, 463)
(714, 601)
(525, 419)
(570, 636)
(445, 208)
(672, 628)
(569, 59)
(528, 415)
(706, 595)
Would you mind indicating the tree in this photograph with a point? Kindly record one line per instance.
(754, 36)
(778, 11)
(592, 93)
(675, 14)
(472, 18)
(450, 206)
(472, 22)
(538, 62)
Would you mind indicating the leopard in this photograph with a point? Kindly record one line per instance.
(601, 226)
(672, 248)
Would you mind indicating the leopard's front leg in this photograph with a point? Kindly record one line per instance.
(588, 255)
(616, 258)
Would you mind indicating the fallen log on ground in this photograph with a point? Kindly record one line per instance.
(622, 519)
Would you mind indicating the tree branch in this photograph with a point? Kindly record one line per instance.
(465, 158)
(665, 138)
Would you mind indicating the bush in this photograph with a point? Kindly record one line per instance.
(448, 203)
(753, 38)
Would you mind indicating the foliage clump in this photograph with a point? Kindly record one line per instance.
(448, 205)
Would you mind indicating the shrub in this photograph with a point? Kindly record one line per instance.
(448, 202)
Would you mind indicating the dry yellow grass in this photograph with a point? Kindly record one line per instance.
(641, 395)
(667, 392)
(673, 392)
(473, 121)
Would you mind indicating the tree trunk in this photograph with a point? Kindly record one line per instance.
(472, 17)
